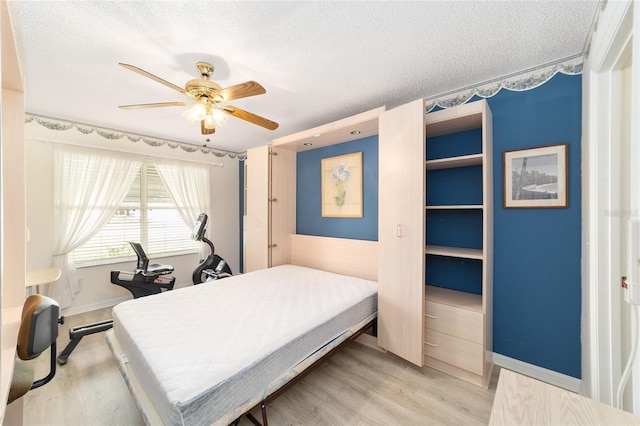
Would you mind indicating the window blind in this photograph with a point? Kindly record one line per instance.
(147, 215)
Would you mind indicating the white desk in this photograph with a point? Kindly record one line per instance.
(521, 400)
(36, 277)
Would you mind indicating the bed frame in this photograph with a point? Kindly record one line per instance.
(358, 258)
(325, 357)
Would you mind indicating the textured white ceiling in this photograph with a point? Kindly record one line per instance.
(319, 61)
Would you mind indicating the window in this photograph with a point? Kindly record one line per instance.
(147, 215)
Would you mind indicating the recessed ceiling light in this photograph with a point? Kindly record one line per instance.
(307, 144)
(355, 132)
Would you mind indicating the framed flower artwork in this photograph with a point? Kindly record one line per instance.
(342, 185)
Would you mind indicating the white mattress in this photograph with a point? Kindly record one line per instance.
(202, 352)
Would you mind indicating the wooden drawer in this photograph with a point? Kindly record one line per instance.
(452, 350)
(457, 322)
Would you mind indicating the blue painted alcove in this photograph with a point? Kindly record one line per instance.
(309, 220)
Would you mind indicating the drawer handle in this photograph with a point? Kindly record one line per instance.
(431, 316)
(431, 344)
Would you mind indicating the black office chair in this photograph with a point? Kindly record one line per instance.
(38, 331)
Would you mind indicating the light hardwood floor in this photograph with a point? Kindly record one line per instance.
(358, 386)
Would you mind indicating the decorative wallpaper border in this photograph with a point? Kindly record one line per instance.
(521, 81)
(55, 124)
(594, 27)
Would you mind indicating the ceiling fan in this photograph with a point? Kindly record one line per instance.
(207, 97)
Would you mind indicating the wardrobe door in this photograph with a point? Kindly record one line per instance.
(282, 202)
(256, 220)
(401, 233)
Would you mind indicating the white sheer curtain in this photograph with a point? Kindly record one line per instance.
(189, 187)
(88, 187)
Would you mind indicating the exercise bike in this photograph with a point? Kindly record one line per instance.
(145, 280)
(148, 279)
(213, 267)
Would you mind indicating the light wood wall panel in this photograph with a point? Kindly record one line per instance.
(357, 258)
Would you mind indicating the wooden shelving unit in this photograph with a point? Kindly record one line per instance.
(445, 328)
(463, 323)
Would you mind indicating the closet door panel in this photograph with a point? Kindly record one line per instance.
(283, 205)
(401, 231)
(256, 224)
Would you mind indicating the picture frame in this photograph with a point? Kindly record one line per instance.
(341, 190)
(536, 177)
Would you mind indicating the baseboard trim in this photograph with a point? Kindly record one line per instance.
(548, 376)
(75, 310)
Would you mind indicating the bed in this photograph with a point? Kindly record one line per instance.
(209, 353)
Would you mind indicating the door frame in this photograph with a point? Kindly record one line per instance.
(601, 293)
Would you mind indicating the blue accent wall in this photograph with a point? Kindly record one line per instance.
(536, 289)
(537, 259)
(309, 220)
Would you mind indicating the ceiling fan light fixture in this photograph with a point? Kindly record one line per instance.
(219, 116)
(215, 117)
(209, 122)
(197, 112)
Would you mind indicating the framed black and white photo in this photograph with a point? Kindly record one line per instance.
(536, 177)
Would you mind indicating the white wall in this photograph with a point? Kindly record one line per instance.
(96, 289)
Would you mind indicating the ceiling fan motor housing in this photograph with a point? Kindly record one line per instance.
(198, 87)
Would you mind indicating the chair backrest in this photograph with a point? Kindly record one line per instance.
(39, 326)
(38, 331)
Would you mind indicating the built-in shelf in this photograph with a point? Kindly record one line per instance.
(463, 117)
(465, 253)
(456, 207)
(458, 323)
(458, 299)
(452, 162)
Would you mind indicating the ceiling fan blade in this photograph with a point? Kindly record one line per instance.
(242, 90)
(250, 117)
(154, 105)
(153, 77)
(204, 130)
